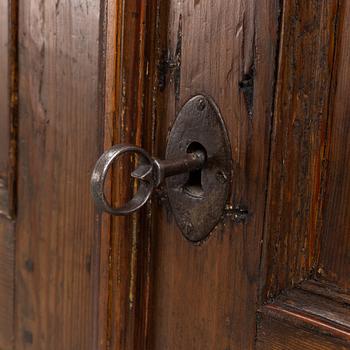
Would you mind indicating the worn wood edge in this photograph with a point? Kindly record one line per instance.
(321, 308)
(113, 325)
(265, 234)
(13, 107)
(292, 313)
(306, 322)
(140, 224)
(149, 88)
(107, 68)
(8, 185)
(4, 199)
(129, 245)
(276, 331)
(326, 289)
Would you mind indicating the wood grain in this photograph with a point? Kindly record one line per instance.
(60, 138)
(304, 318)
(7, 266)
(296, 176)
(8, 129)
(4, 88)
(334, 262)
(129, 237)
(8, 106)
(321, 309)
(107, 82)
(204, 296)
(93, 74)
(280, 329)
(326, 289)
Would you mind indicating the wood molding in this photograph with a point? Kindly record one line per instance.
(309, 316)
(130, 72)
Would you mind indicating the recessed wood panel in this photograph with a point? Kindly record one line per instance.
(60, 138)
(299, 139)
(335, 245)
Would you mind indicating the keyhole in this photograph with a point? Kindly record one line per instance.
(193, 186)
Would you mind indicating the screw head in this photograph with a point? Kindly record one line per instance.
(221, 176)
(201, 104)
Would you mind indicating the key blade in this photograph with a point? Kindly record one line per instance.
(143, 172)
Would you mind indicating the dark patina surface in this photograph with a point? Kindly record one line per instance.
(198, 199)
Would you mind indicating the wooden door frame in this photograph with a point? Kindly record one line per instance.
(128, 75)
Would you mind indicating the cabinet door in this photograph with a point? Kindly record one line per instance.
(273, 274)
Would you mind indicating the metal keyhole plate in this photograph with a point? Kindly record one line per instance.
(198, 198)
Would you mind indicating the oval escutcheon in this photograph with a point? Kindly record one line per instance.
(198, 199)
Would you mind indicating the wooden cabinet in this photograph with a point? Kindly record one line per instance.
(80, 76)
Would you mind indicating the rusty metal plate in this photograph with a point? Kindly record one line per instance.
(198, 198)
